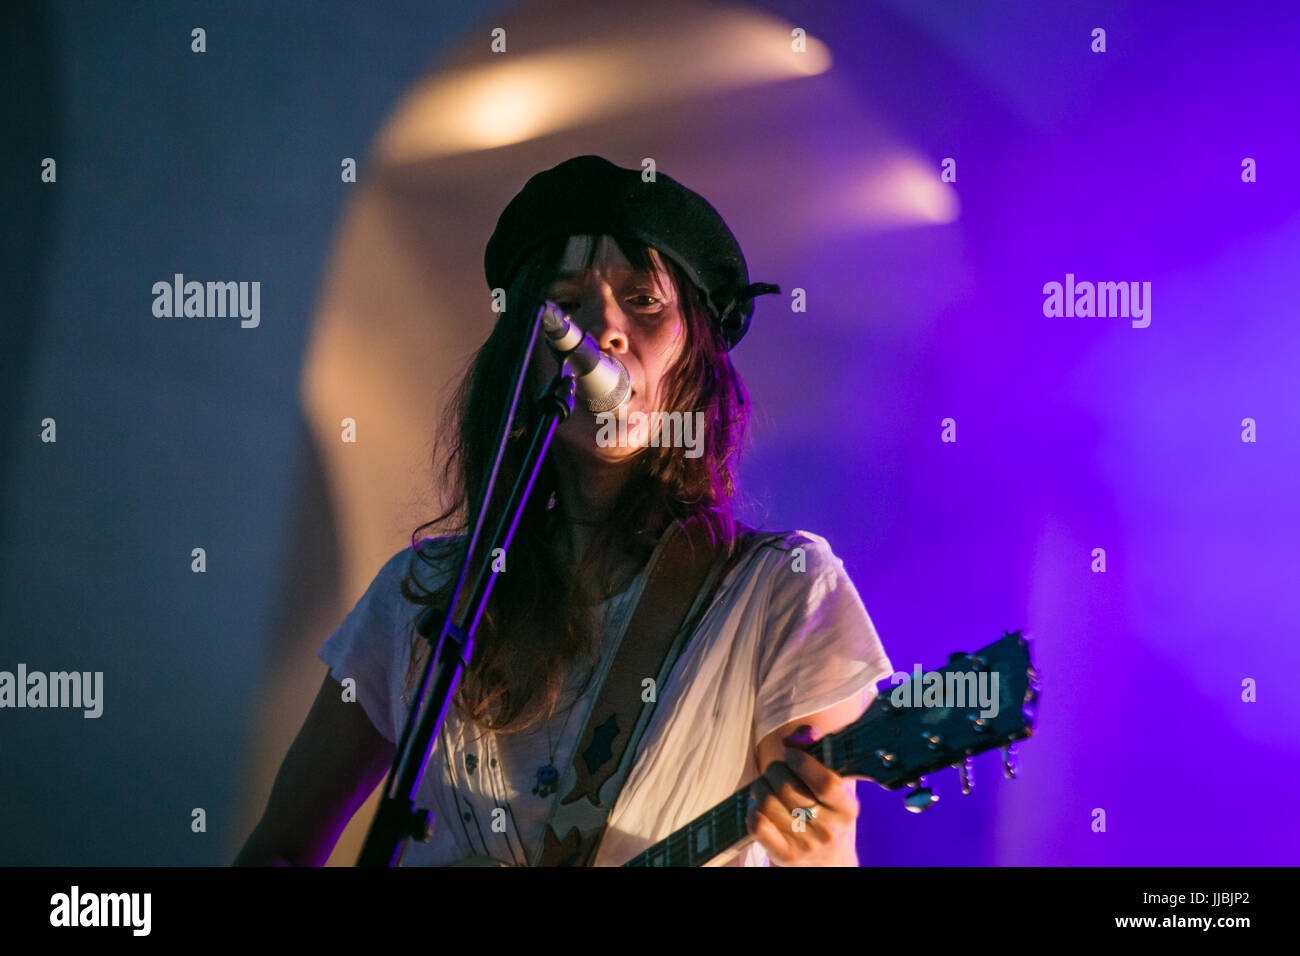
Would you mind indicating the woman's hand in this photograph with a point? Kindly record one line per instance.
(779, 801)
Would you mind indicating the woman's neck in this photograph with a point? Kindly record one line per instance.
(586, 490)
(588, 487)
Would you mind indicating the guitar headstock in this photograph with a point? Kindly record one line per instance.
(974, 703)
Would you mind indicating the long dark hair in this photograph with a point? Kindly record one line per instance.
(526, 647)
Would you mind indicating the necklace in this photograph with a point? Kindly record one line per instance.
(556, 509)
(548, 776)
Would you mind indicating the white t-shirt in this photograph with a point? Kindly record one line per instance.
(786, 636)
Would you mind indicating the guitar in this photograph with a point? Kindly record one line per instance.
(892, 746)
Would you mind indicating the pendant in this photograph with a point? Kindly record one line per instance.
(547, 777)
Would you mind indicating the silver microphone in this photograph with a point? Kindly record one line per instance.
(601, 380)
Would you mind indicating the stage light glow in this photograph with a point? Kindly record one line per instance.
(511, 100)
(908, 191)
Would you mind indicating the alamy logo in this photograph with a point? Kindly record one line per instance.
(946, 689)
(213, 300)
(656, 430)
(1101, 299)
(58, 689)
(102, 909)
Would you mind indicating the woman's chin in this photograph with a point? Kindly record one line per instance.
(590, 444)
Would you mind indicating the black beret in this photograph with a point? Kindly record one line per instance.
(589, 195)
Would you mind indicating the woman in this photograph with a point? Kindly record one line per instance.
(781, 654)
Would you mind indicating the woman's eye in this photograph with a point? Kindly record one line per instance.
(570, 306)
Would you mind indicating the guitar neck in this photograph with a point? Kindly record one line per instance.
(718, 830)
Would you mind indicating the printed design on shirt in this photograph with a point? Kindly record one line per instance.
(475, 798)
(464, 809)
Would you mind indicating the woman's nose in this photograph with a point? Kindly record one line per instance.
(609, 327)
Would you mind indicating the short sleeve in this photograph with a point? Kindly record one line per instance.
(819, 646)
(364, 645)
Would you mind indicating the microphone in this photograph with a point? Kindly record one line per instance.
(601, 380)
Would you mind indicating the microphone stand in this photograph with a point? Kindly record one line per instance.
(397, 819)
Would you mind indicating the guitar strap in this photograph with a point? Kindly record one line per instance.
(681, 579)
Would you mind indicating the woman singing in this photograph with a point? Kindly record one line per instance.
(562, 747)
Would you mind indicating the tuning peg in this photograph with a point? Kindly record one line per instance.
(1010, 761)
(967, 770)
(932, 740)
(920, 797)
